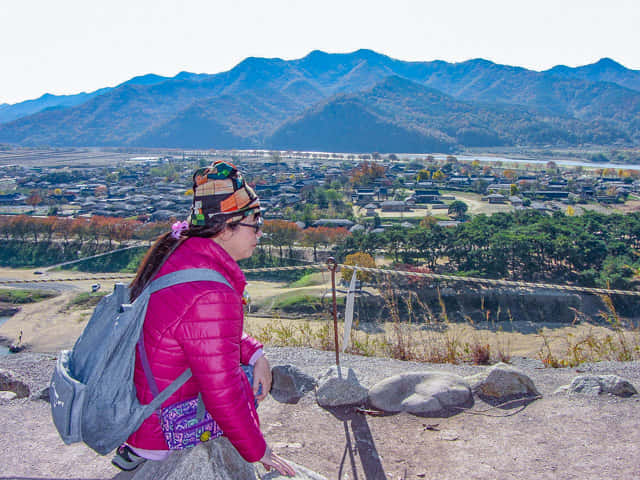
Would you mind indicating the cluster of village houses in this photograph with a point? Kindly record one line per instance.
(133, 194)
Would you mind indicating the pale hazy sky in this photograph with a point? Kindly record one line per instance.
(69, 46)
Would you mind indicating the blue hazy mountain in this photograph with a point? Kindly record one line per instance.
(48, 101)
(604, 70)
(347, 102)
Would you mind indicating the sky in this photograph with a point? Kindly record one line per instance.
(70, 46)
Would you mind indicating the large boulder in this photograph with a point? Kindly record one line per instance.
(290, 384)
(600, 384)
(339, 387)
(421, 393)
(502, 381)
(11, 381)
(214, 460)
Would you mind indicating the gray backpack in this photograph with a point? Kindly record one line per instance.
(93, 397)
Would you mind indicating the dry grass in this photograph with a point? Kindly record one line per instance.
(434, 339)
(594, 343)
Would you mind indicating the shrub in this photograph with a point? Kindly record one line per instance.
(359, 259)
(20, 296)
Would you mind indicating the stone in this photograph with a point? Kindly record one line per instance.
(10, 381)
(600, 384)
(43, 394)
(449, 435)
(421, 393)
(564, 389)
(290, 384)
(502, 381)
(340, 387)
(214, 460)
(7, 395)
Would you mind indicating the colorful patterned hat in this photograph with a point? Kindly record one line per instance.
(220, 191)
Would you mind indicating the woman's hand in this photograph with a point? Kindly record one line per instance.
(261, 376)
(270, 460)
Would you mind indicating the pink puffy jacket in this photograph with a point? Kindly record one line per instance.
(198, 325)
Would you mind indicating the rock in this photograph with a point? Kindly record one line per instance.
(7, 395)
(564, 389)
(421, 393)
(449, 435)
(290, 384)
(502, 381)
(340, 387)
(14, 382)
(599, 384)
(214, 460)
(43, 394)
(302, 473)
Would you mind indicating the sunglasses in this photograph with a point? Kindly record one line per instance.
(256, 226)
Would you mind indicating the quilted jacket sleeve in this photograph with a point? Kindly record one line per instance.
(248, 346)
(210, 334)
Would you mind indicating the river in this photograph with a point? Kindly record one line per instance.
(491, 158)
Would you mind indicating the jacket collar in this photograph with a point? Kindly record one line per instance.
(196, 252)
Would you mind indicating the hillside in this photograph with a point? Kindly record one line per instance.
(401, 116)
(265, 102)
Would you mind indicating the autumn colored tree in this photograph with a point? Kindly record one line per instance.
(48, 227)
(438, 176)
(365, 173)
(63, 228)
(359, 259)
(313, 237)
(281, 233)
(19, 226)
(34, 198)
(428, 221)
(509, 174)
(151, 230)
(80, 229)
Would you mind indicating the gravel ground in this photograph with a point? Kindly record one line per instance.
(556, 437)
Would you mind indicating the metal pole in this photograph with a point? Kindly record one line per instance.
(333, 265)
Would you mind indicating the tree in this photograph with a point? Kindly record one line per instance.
(365, 173)
(313, 237)
(458, 209)
(34, 198)
(395, 239)
(428, 221)
(438, 176)
(281, 233)
(359, 259)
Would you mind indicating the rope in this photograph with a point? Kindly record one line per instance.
(76, 279)
(432, 276)
(502, 283)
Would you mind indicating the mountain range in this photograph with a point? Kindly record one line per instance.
(355, 102)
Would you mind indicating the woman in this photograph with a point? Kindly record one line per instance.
(198, 325)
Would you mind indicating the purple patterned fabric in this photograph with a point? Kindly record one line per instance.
(181, 428)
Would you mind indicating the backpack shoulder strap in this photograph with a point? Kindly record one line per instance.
(186, 276)
(169, 280)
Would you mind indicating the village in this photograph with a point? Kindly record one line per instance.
(157, 188)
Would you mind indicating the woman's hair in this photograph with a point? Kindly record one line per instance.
(164, 247)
